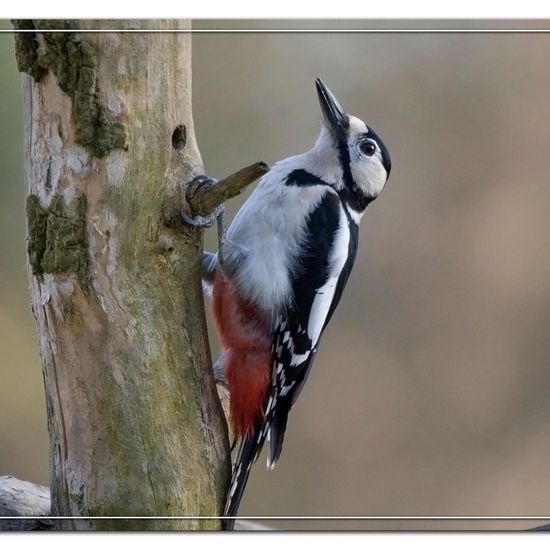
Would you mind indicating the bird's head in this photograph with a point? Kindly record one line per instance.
(364, 159)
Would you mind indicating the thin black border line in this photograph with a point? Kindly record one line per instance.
(283, 518)
(286, 31)
(291, 31)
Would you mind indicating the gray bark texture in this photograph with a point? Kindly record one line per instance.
(22, 498)
(135, 424)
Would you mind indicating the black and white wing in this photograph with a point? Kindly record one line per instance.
(329, 252)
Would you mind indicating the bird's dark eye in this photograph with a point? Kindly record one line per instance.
(367, 147)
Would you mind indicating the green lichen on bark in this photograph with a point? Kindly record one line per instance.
(74, 65)
(57, 239)
(37, 219)
(26, 49)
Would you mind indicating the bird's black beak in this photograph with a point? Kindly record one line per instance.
(335, 117)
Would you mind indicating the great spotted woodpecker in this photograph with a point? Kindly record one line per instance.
(279, 274)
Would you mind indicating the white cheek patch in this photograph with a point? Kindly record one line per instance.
(369, 174)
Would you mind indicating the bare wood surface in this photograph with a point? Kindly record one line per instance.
(23, 498)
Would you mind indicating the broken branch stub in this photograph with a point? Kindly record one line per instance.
(203, 198)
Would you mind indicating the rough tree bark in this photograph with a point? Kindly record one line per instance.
(135, 425)
(24, 499)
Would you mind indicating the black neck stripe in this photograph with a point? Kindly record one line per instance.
(351, 194)
(345, 163)
(303, 178)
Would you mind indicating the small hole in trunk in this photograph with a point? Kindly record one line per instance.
(179, 137)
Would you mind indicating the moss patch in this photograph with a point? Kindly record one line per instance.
(57, 240)
(26, 50)
(36, 240)
(74, 65)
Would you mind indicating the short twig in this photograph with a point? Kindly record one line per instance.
(204, 198)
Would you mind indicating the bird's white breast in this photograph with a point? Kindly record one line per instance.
(271, 225)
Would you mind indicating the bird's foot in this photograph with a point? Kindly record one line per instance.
(203, 221)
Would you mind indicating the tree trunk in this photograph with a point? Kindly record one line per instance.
(135, 425)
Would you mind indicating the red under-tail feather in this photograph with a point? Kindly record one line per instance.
(243, 329)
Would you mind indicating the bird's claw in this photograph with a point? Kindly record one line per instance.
(202, 179)
(202, 221)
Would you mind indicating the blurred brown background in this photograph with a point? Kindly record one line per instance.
(430, 393)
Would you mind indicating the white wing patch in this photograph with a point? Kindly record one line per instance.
(319, 309)
(297, 358)
(325, 294)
